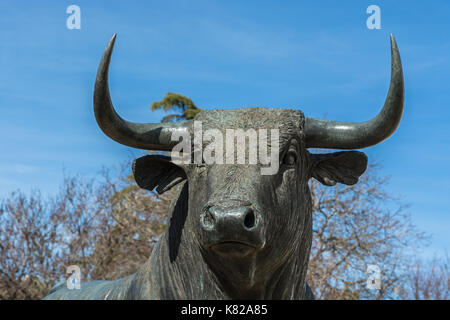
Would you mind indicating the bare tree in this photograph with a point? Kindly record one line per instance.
(28, 246)
(428, 280)
(133, 220)
(106, 226)
(354, 228)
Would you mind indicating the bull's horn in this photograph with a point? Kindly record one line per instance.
(349, 135)
(148, 136)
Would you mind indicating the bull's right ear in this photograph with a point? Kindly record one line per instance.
(157, 171)
(343, 167)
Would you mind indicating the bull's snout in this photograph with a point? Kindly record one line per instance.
(233, 229)
(237, 219)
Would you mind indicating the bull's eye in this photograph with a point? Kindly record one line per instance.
(290, 158)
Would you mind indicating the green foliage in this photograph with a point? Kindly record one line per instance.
(175, 100)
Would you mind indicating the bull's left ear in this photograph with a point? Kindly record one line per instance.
(343, 167)
(157, 171)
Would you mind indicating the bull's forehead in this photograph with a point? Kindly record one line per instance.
(288, 122)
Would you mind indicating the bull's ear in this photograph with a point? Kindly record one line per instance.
(157, 171)
(344, 167)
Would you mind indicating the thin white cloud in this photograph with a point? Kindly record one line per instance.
(19, 168)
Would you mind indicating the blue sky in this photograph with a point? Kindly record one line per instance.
(317, 56)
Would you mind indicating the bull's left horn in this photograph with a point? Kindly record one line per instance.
(148, 136)
(349, 135)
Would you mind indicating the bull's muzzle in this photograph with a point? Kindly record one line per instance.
(234, 230)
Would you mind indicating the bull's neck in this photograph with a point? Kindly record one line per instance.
(188, 276)
(177, 270)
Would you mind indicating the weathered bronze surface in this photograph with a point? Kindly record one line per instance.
(234, 233)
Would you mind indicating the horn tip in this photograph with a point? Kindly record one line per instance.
(113, 39)
(393, 42)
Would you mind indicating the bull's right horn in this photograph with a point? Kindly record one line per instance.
(148, 136)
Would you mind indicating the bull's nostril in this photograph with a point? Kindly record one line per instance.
(249, 220)
(207, 220)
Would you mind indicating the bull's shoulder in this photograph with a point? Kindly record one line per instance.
(93, 290)
(59, 285)
(309, 295)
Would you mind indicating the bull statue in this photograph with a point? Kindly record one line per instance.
(233, 232)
